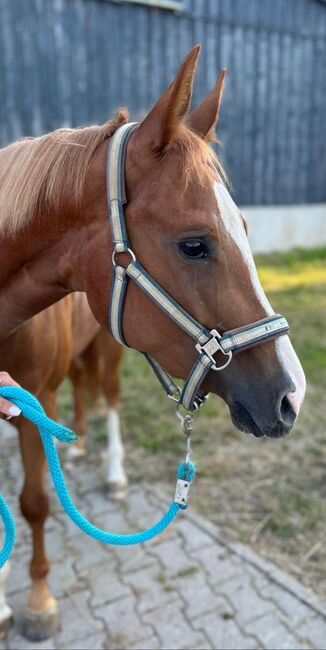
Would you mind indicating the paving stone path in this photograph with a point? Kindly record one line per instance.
(187, 589)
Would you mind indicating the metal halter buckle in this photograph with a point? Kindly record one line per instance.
(211, 347)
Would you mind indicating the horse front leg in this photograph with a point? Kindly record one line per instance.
(112, 353)
(41, 616)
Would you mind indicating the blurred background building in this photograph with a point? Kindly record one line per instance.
(73, 62)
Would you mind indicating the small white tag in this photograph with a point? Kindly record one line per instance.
(181, 492)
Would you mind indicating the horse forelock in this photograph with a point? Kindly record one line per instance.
(35, 173)
(197, 160)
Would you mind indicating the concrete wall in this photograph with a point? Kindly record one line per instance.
(280, 228)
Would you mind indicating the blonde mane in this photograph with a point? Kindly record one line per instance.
(35, 173)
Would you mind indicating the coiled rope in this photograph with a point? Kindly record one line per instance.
(33, 411)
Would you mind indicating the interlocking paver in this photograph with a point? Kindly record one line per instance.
(63, 579)
(295, 610)
(98, 502)
(114, 521)
(77, 619)
(55, 545)
(151, 589)
(246, 602)
(198, 595)
(136, 560)
(217, 563)
(105, 586)
(140, 510)
(123, 623)
(87, 552)
(193, 537)
(314, 631)
(19, 572)
(186, 589)
(149, 644)
(224, 633)
(173, 558)
(272, 633)
(172, 628)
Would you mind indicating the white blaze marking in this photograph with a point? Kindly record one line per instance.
(230, 215)
(287, 357)
(291, 364)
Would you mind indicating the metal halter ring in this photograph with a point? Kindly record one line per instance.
(131, 253)
(188, 419)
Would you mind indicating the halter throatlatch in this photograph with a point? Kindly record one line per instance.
(207, 343)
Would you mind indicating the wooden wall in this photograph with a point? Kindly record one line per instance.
(73, 62)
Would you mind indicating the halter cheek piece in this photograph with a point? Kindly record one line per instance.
(207, 343)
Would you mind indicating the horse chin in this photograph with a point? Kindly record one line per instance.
(244, 421)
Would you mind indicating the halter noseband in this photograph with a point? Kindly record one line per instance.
(207, 342)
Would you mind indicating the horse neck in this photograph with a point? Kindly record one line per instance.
(45, 261)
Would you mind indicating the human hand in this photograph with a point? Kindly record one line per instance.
(6, 407)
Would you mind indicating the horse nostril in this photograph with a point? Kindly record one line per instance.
(287, 412)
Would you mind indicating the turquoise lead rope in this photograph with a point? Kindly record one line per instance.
(33, 411)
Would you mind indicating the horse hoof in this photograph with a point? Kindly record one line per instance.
(6, 620)
(41, 626)
(73, 452)
(117, 490)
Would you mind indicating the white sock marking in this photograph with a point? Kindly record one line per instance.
(115, 449)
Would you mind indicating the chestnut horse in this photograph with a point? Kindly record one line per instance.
(55, 238)
(64, 339)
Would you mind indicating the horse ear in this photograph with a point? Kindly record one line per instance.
(205, 117)
(160, 126)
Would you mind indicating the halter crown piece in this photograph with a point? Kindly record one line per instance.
(207, 343)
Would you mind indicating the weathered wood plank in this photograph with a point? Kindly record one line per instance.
(70, 62)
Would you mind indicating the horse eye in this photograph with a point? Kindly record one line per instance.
(194, 249)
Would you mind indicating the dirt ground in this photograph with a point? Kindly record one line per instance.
(267, 493)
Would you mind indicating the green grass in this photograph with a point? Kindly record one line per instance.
(296, 285)
(293, 259)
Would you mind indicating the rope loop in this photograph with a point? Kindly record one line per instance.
(33, 411)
